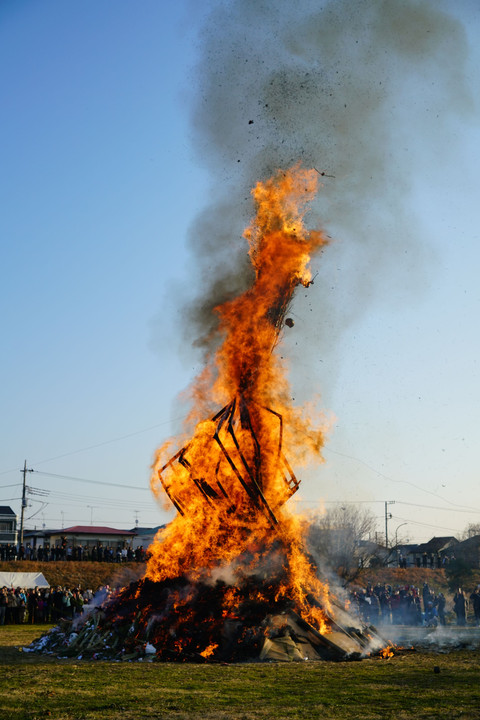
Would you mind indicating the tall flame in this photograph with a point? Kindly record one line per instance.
(231, 479)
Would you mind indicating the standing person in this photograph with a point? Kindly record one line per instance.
(21, 604)
(32, 605)
(374, 608)
(57, 605)
(416, 609)
(460, 607)
(47, 605)
(475, 600)
(66, 600)
(441, 602)
(426, 596)
(40, 611)
(3, 605)
(77, 601)
(12, 607)
(384, 598)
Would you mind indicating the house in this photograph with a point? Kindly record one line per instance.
(87, 542)
(434, 553)
(371, 554)
(402, 555)
(88, 536)
(469, 551)
(144, 536)
(8, 526)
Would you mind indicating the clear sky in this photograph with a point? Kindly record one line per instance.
(121, 124)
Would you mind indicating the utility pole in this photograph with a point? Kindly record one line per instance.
(24, 501)
(387, 518)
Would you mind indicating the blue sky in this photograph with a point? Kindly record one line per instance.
(106, 166)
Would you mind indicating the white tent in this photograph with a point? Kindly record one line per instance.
(23, 580)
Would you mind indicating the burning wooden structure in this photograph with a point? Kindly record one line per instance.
(229, 578)
(247, 472)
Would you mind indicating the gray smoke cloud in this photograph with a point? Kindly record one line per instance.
(366, 91)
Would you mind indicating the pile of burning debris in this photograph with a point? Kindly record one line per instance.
(229, 578)
(177, 620)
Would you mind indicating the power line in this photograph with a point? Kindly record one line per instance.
(109, 442)
(387, 477)
(92, 482)
(461, 508)
(61, 502)
(415, 522)
(101, 444)
(81, 498)
(102, 523)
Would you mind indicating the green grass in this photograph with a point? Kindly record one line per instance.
(34, 687)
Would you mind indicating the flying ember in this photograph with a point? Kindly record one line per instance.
(229, 578)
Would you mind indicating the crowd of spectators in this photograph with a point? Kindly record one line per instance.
(44, 605)
(94, 553)
(407, 605)
(376, 605)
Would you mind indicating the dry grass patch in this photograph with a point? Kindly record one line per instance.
(37, 687)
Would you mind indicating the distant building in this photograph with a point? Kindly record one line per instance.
(469, 551)
(435, 553)
(8, 526)
(89, 537)
(402, 555)
(85, 535)
(145, 536)
(371, 554)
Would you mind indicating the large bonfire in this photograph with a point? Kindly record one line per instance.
(229, 578)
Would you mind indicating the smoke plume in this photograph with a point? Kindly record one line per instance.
(365, 91)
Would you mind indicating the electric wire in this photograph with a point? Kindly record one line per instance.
(387, 477)
(92, 482)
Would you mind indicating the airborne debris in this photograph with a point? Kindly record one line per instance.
(322, 173)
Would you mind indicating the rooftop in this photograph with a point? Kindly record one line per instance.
(90, 530)
(437, 544)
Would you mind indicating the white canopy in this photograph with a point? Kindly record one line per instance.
(23, 580)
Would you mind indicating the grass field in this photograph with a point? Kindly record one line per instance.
(34, 687)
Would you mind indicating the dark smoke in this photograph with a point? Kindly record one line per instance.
(364, 90)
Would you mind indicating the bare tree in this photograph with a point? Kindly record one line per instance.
(470, 531)
(340, 538)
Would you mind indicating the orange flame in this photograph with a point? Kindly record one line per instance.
(209, 650)
(387, 652)
(231, 479)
